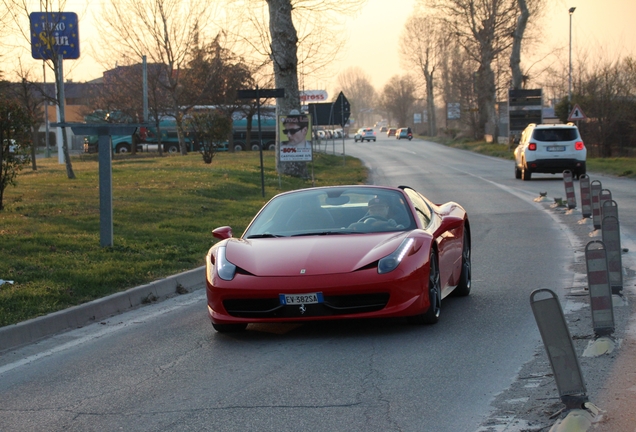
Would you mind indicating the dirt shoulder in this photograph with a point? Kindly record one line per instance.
(532, 403)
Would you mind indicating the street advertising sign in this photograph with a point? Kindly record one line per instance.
(297, 129)
(525, 106)
(53, 34)
(453, 111)
(307, 96)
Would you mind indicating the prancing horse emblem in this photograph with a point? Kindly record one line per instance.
(303, 309)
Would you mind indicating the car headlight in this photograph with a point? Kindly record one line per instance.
(390, 262)
(225, 269)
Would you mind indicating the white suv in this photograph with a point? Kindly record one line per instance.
(550, 148)
(363, 134)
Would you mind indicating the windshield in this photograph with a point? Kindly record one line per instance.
(330, 211)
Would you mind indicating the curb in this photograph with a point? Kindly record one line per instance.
(27, 332)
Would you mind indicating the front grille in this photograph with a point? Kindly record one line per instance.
(332, 306)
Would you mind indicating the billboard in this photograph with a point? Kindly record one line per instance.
(297, 129)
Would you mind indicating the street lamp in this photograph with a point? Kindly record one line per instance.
(570, 74)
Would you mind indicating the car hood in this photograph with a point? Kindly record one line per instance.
(311, 255)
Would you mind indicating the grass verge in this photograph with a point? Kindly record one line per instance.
(164, 209)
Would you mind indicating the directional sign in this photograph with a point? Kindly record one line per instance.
(577, 114)
(341, 110)
(53, 34)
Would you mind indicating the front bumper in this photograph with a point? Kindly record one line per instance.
(363, 294)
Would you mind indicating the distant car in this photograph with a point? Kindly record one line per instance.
(340, 252)
(403, 133)
(550, 148)
(391, 132)
(364, 134)
(384, 129)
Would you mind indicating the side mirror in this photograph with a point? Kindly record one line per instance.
(222, 233)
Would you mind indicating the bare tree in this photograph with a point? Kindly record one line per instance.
(399, 97)
(607, 97)
(165, 31)
(231, 73)
(30, 97)
(300, 38)
(357, 87)
(517, 38)
(424, 44)
(457, 87)
(484, 28)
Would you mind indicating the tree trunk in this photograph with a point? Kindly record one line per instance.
(61, 100)
(284, 47)
(34, 139)
(517, 38)
(486, 94)
(430, 105)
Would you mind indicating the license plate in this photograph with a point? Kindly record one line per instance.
(555, 148)
(300, 299)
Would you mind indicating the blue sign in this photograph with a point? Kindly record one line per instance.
(54, 33)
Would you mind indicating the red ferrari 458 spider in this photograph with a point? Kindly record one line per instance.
(340, 252)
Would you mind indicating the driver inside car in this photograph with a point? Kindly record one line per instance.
(378, 214)
(378, 208)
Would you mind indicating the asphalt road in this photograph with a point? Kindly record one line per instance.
(162, 367)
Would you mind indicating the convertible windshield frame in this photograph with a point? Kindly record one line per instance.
(330, 210)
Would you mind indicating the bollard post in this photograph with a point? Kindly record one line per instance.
(599, 288)
(569, 189)
(595, 190)
(586, 200)
(612, 241)
(603, 196)
(610, 208)
(559, 347)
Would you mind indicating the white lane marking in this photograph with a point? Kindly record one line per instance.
(97, 330)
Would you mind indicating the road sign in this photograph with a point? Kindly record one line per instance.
(341, 110)
(53, 34)
(577, 114)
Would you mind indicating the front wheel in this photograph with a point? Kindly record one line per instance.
(431, 316)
